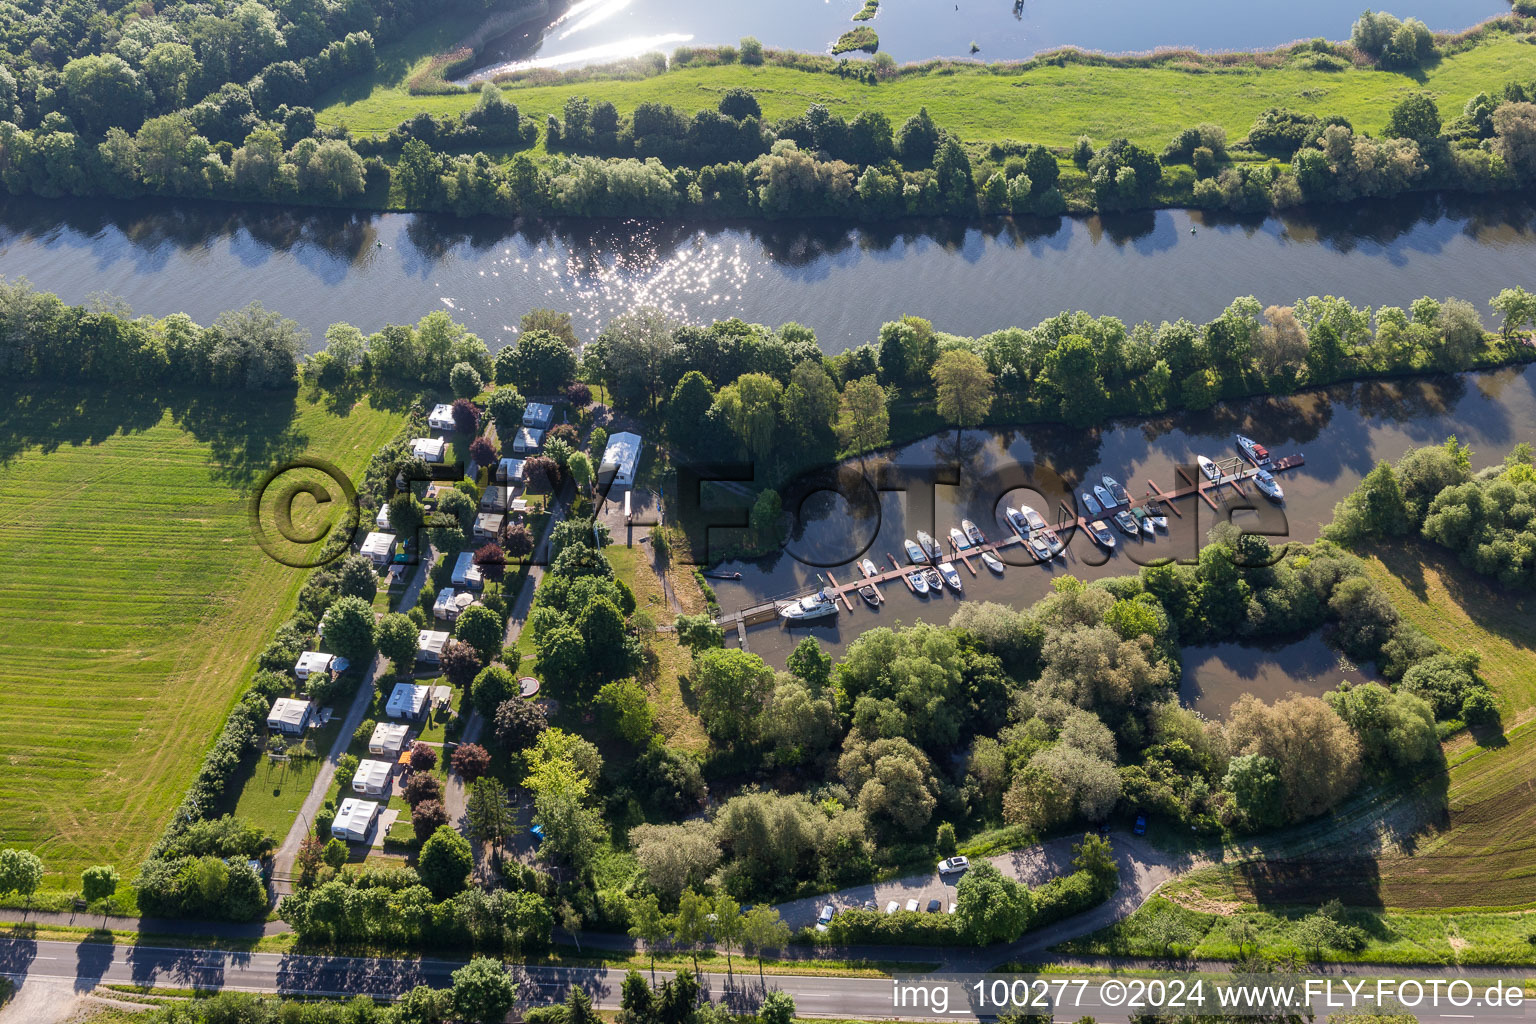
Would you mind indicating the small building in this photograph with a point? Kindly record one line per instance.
(372, 777)
(466, 574)
(430, 644)
(313, 662)
(538, 415)
(388, 739)
(441, 418)
(429, 449)
(408, 700)
(290, 716)
(511, 472)
(488, 525)
(620, 460)
(378, 548)
(381, 519)
(494, 498)
(354, 820)
(450, 603)
(528, 440)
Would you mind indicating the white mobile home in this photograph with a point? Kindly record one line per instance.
(538, 415)
(466, 574)
(378, 548)
(441, 417)
(430, 644)
(290, 716)
(488, 525)
(527, 440)
(388, 739)
(408, 700)
(354, 820)
(313, 663)
(372, 777)
(620, 460)
(494, 498)
(511, 472)
(429, 449)
(381, 519)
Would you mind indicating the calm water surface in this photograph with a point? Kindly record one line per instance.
(1215, 677)
(592, 31)
(371, 269)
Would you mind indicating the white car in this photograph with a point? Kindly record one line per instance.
(827, 913)
(912, 905)
(892, 907)
(952, 865)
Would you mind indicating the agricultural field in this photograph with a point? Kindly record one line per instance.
(136, 597)
(1050, 105)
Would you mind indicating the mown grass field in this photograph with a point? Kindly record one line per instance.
(1051, 105)
(135, 598)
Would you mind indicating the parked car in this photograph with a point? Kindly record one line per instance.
(827, 913)
(892, 907)
(951, 908)
(912, 905)
(1140, 828)
(871, 905)
(934, 905)
(952, 865)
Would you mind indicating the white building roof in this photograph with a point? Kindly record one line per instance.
(441, 417)
(466, 573)
(378, 546)
(371, 776)
(528, 440)
(538, 414)
(431, 641)
(489, 523)
(429, 449)
(510, 470)
(621, 458)
(388, 738)
(408, 699)
(353, 819)
(382, 519)
(288, 713)
(312, 661)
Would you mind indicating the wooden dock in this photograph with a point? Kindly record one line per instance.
(1196, 486)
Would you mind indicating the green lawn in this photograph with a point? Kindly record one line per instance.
(1051, 105)
(135, 597)
(274, 791)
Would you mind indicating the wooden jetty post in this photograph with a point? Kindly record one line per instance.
(839, 591)
(897, 566)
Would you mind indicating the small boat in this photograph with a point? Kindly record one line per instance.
(915, 577)
(1091, 504)
(1099, 532)
(814, 606)
(1127, 524)
(718, 575)
(1143, 520)
(1209, 468)
(1121, 497)
(1035, 519)
(1040, 549)
(1105, 498)
(935, 581)
(1017, 521)
(1256, 452)
(870, 595)
(951, 576)
(958, 539)
(992, 562)
(1155, 512)
(1268, 486)
(973, 532)
(915, 553)
(867, 567)
(930, 546)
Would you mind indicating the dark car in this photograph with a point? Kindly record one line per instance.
(934, 905)
(1140, 828)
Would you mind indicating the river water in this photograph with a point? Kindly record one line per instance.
(594, 31)
(323, 266)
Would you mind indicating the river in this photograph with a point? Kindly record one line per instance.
(594, 31)
(843, 281)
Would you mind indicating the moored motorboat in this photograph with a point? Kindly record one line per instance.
(1209, 468)
(1257, 453)
(1092, 505)
(1106, 499)
(973, 532)
(1127, 524)
(1040, 549)
(992, 562)
(1016, 520)
(1035, 520)
(870, 595)
(867, 567)
(935, 581)
(1268, 486)
(951, 576)
(1100, 533)
(930, 546)
(919, 584)
(1120, 495)
(812, 606)
(915, 553)
(1143, 520)
(958, 539)
(1155, 512)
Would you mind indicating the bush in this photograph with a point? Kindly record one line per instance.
(471, 761)
(422, 786)
(427, 817)
(423, 757)
(346, 768)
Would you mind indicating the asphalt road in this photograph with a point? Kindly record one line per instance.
(81, 967)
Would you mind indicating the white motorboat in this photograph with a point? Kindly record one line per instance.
(1143, 520)
(930, 546)
(1092, 505)
(868, 592)
(1121, 497)
(1040, 549)
(1035, 520)
(973, 532)
(992, 562)
(915, 553)
(935, 581)
(1100, 533)
(1268, 486)
(958, 539)
(1155, 513)
(1106, 499)
(919, 584)
(951, 576)
(867, 567)
(813, 606)
(1127, 524)
(1257, 453)
(1209, 468)
(1016, 520)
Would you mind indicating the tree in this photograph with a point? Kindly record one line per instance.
(466, 417)
(699, 632)
(103, 92)
(731, 687)
(1415, 117)
(542, 364)
(483, 992)
(420, 787)
(990, 907)
(427, 817)
(688, 410)
(483, 451)
(627, 710)
(1514, 126)
(21, 872)
(578, 1007)
(1518, 308)
(445, 862)
(1254, 781)
(945, 843)
(348, 627)
(517, 541)
(423, 756)
(549, 321)
(1317, 755)
(406, 515)
(506, 406)
(519, 723)
(965, 387)
(490, 818)
(761, 930)
(647, 925)
(334, 854)
(725, 925)
(865, 422)
(425, 1005)
(356, 577)
(483, 630)
(471, 761)
(675, 857)
(98, 883)
(465, 380)
(918, 139)
(459, 662)
(690, 925)
(398, 640)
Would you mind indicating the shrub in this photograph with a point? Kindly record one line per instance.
(427, 817)
(471, 761)
(422, 786)
(423, 757)
(346, 768)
